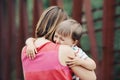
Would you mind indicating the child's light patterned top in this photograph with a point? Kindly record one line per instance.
(81, 54)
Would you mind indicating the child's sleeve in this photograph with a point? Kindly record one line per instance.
(82, 54)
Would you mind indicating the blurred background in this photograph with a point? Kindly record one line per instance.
(101, 37)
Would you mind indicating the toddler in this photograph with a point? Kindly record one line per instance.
(69, 33)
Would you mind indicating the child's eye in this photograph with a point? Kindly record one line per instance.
(61, 39)
(55, 36)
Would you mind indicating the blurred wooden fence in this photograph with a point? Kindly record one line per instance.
(14, 33)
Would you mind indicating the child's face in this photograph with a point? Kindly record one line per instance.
(59, 39)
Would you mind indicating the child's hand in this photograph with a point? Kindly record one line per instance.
(73, 62)
(31, 51)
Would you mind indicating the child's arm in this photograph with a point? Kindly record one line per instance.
(82, 59)
(87, 63)
(31, 49)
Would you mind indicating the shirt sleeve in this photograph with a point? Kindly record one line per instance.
(80, 53)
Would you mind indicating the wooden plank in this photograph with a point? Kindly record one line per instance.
(1, 39)
(56, 3)
(91, 34)
(77, 10)
(10, 26)
(23, 19)
(23, 30)
(53, 2)
(108, 39)
(37, 10)
(60, 3)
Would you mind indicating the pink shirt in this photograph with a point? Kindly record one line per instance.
(46, 65)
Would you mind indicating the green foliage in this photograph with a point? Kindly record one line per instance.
(45, 3)
(96, 3)
(116, 40)
(117, 58)
(98, 14)
(30, 11)
(99, 44)
(117, 72)
(68, 6)
(85, 44)
(117, 22)
(117, 10)
(117, 1)
(98, 25)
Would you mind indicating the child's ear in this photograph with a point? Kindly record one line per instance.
(76, 42)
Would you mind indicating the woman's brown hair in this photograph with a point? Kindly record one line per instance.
(48, 22)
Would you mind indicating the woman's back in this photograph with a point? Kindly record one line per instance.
(46, 65)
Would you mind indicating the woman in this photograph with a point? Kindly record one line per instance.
(50, 61)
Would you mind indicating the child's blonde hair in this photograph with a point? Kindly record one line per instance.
(70, 28)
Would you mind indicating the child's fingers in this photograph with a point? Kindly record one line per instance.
(70, 57)
(31, 55)
(35, 50)
(30, 52)
(70, 64)
(69, 61)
